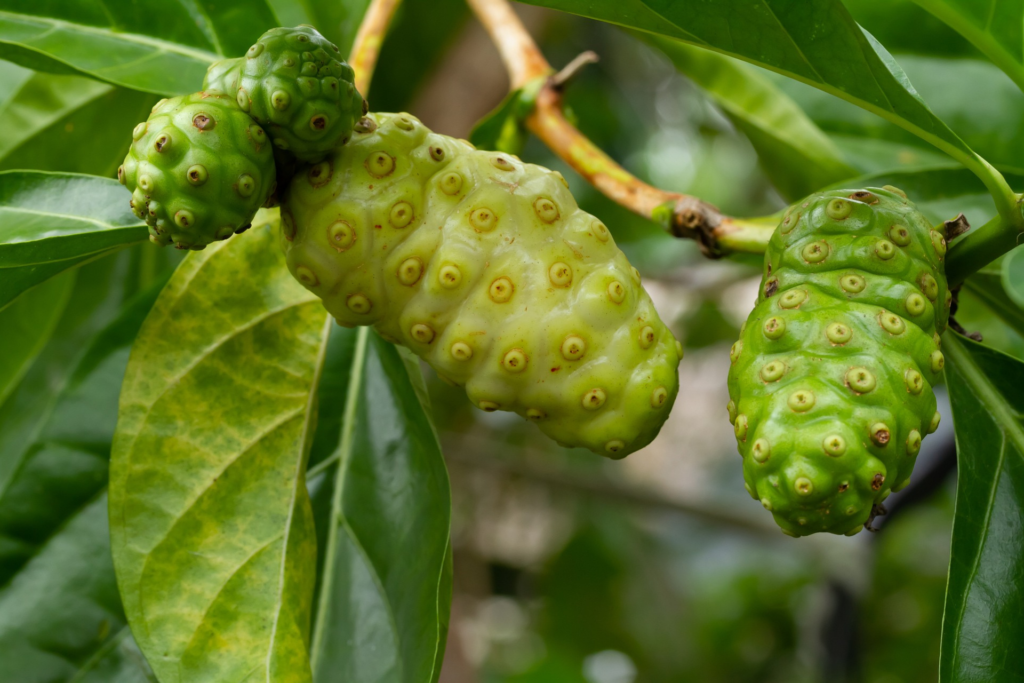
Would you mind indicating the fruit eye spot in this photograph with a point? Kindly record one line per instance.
(203, 122)
(594, 399)
(318, 123)
(616, 292)
(560, 274)
(573, 348)
(380, 164)
(483, 219)
(647, 337)
(422, 333)
(197, 175)
(501, 290)
(409, 271)
(342, 235)
(358, 303)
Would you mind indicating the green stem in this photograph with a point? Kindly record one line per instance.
(746, 235)
(980, 247)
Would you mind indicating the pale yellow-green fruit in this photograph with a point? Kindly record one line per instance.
(486, 268)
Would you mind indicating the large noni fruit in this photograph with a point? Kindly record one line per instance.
(487, 269)
(293, 82)
(198, 170)
(831, 380)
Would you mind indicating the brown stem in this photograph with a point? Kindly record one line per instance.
(522, 57)
(366, 47)
(682, 215)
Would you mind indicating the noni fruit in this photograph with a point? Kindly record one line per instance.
(198, 170)
(831, 380)
(294, 82)
(487, 269)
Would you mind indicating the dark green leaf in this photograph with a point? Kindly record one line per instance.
(27, 325)
(417, 39)
(953, 88)
(150, 45)
(383, 513)
(60, 615)
(217, 399)
(64, 123)
(797, 156)
(52, 222)
(983, 624)
(818, 43)
(989, 288)
(338, 20)
(1013, 275)
(887, 20)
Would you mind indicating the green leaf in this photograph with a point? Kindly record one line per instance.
(995, 27)
(27, 325)
(61, 618)
(50, 222)
(60, 614)
(888, 21)
(819, 44)
(1013, 275)
(992, 290)
(150, 45)
(983, 623)
(71, 124)
(503, 129)
(953, 87)
(383, 511)
(797, 156)
(207, 479)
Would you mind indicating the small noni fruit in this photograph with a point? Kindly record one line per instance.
(487, 269)
(198, 169)
(293, 82)
(831, 380)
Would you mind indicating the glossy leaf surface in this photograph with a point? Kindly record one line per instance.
(154, 46)
(383, 511)
(983, 624)
(50, 222)
(60, 614)
(211, 527)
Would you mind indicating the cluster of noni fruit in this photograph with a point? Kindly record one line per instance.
(487, 269)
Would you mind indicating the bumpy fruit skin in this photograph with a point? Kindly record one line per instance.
(831, 380)
(294, 83)
(222, 77)
(488, 270)
(198, 170)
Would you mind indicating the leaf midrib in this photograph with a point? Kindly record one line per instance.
(134, 38)
(1012, 431)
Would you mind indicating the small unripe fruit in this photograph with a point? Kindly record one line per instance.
(835, 364)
